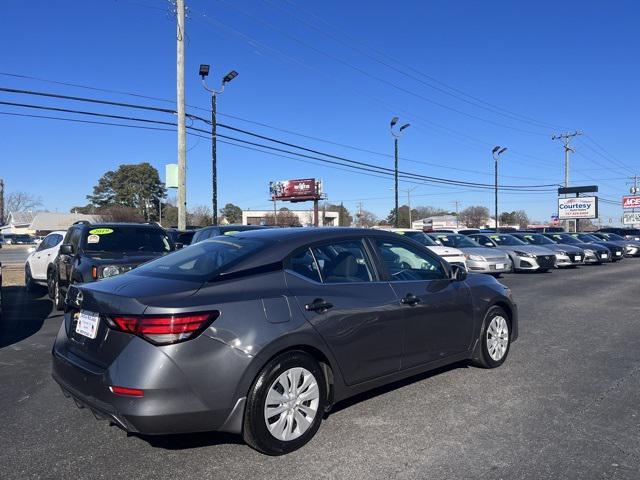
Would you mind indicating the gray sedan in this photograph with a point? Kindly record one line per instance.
(566, 255)
(524, 257)
(260, 333)
(479, 259)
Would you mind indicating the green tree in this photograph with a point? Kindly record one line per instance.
(403, 216)
(136, 186)
(232, 213)
(344, 217)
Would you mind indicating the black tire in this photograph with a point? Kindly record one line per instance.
(28, 279)
(58, 299)
(482, 358)
(50, 274)
(255, 431)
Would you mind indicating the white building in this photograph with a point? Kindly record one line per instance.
(305, 217)
(433, 223)
(42, 223)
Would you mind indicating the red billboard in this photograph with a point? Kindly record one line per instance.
(299, 190)
(631, 202)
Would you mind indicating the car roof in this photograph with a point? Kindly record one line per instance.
(283, 241)
(119, 225)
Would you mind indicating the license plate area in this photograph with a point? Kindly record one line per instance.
(500, 266)
(87, 324)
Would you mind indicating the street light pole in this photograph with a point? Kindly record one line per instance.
(396, 137)
(204, 71)
(497, 151)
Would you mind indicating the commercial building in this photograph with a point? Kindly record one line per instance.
(304, 217)
(42, 223)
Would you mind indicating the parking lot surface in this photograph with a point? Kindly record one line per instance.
(10, 254)
(564, 405)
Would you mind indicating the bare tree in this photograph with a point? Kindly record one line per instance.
(475, 216)
(285, 218)
(367, 219)
(21, 202)
(120, 213)
(200, 216)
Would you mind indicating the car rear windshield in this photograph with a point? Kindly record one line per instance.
(204, 260)
(420, 238)
(126, 240)
(456, 241)
(506, 240)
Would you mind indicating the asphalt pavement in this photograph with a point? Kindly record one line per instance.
(564, 405)
(14, 254)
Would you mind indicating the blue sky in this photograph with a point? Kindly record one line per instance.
(311, 68)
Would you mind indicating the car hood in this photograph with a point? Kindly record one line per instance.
(442, 251)
(563, 247)
(610, 245)
(484, 251)
(122, 258)
(534, 249)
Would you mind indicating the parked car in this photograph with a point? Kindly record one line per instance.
(214, 231)
(452, 255)
(479, 259)
(631, 247)
(593, 254)
(617, 251)
(260, 333)
(180, 237)
(566, 255)
(18, 239)
(627, 233)
(91, 252)
(0, 288)
(524, 257)
(39, 264)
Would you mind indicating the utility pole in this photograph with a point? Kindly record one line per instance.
(408, 191)
(204, 71)
(497, 151)
(359, 214)
(396, 137)
(457, 204)
(566, 141)
(182, 132)
(1, 202)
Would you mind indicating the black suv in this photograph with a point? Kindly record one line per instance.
(91, 252)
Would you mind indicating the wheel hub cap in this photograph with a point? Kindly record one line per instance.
(292, 404)
(497, 337)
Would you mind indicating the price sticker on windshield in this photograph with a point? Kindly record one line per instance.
(101, 231)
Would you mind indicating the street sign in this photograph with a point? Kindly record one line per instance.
(630, 218)
(631, 202)
(581, 207)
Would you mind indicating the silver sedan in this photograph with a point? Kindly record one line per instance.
(478, 258)
(524, 257)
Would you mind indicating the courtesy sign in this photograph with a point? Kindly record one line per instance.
(581, 207)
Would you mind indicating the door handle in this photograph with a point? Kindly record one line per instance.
(410, 299)
(319, 305)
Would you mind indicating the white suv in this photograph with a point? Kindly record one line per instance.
(36, 267)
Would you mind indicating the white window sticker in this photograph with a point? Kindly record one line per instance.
(93, 239)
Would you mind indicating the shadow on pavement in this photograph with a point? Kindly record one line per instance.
(23, 314)
(191, 440)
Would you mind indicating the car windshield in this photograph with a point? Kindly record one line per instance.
(536, 239)
(126, 240)
(506, 240)
(586, 238)
(419, 237)
(611, 236)
(456, 241)
(564, 238)
(204, 260)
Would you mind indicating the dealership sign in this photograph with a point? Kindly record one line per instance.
(630, 218)
(581, 207)
(296, 190)
(631, 202)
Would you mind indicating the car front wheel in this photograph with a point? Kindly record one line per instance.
(495, 339)
(285, 404)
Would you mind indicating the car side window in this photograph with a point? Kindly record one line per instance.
(44, 244)
(343, 262)
(304, 264)
(407, 263)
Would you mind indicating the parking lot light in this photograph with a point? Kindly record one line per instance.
(496, 152)
(396, 136)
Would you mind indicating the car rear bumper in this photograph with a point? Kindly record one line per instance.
(173, 401)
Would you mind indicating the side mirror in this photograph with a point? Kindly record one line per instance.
(66, 249)
(179, 246)
(458, 273)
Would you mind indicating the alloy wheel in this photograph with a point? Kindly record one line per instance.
(292, 404)
(497, 337)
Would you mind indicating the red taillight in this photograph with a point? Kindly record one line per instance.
(129, 392)
(166, 329)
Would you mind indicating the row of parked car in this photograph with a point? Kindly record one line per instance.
(496, 253)
(291, 320)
